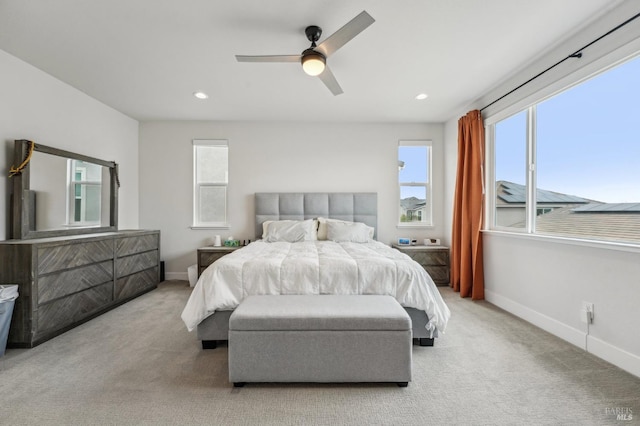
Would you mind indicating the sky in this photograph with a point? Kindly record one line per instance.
(588, 139)
(415, 170)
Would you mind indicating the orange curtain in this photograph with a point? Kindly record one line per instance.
(467, 272)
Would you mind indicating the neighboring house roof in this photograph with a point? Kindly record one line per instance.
(513, 193)
(576, 216)
(609, 208)
(412, 203)
(617, 222)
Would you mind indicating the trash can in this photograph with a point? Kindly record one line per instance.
(192, 273)
(8, 296)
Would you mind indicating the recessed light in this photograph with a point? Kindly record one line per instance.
(422, 96)
(200, 95)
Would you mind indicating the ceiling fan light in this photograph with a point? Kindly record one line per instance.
(313, 62)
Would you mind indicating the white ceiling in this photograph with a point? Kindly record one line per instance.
(145, 58)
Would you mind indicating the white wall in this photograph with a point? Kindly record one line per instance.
(545, 280)
(38, 107)
(312, 157)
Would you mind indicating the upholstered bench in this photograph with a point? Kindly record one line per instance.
(324, 338)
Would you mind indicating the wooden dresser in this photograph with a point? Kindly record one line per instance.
(434, 259)
(208, 255)
(65, 281)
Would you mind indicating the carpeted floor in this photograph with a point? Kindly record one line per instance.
(138, 365)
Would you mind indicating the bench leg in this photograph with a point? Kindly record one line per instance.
(403, 384)
(239, 384)
(425, 341)
(208, 344)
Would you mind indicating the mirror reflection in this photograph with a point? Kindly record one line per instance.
(68, 193)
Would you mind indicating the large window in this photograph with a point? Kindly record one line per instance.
(414, 179)
(570, 165)
(211, 177)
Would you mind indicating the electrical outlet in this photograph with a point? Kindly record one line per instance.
(586, 313)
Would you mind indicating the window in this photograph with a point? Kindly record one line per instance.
(414, 179)
(84, 193)
(510, 171)
(568, 165)
(211, 177)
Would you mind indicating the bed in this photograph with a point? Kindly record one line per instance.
(314, 243)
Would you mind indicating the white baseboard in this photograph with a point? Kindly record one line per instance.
(612, 354)
(176, 276)
(553, 326)
(616, 356)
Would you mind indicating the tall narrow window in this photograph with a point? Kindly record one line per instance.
(211, 178)
(414, 179)
(85, 193)
(510, 171)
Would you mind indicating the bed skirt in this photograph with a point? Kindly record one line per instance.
(216, 327)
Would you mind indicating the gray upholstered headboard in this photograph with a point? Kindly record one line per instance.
(352, 206)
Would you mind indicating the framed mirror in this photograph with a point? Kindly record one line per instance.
(58, 193)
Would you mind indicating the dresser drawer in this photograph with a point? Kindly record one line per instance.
(434, 259)
(66, 256)
(135, 263)
(439, 274)
(134, 284)
(60, 284)
(431, 257)
(136, 244)
(71, 309)
(207, 258)
(208, 255)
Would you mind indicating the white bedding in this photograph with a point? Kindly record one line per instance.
(315, 267)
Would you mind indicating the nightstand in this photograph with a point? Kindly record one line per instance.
(208, 255)
(434, 259)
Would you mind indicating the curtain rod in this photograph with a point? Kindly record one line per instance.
(576, 54)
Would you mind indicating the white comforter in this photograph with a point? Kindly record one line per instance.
(315, 267)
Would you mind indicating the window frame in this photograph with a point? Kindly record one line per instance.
(428, 185)
(197, 223)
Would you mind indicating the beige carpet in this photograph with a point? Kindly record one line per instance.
(138, 365)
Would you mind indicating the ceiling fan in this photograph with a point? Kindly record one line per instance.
(314, 59)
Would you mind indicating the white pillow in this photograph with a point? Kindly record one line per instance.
(289, 230)
(354, 232)
(314, 231)
(322, 227)
(265, 225)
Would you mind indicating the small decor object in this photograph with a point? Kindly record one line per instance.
(404, 241)
(216, 241)
(17, 170)
(432, 241)
(232, 243)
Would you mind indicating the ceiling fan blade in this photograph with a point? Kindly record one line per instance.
(351, 29)
(268, 58)
(330, 81)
